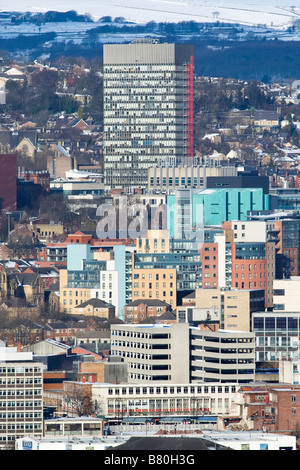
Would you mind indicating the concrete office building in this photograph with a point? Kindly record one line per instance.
(122, 400)
(178, 353)
(21, 402)
(222, 357)
(152, 351)
(277, 335)
(168, 178)
(148, 109)
(220, 308)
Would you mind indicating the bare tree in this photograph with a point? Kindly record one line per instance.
(78, 398)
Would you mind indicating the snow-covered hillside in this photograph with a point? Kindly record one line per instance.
(276, 13)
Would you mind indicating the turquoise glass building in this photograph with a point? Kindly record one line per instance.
(189, 209)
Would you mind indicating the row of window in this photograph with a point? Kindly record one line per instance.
(149, 276)
(138, 294)
(170, 390)
(20, 404)
(20, 370)
(20, 392)
(164, 285)
(19, 381)
(21, 415)
(177, 181)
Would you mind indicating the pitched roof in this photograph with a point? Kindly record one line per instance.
(167, 316)
(149, 302)
(25, 279)
(98, 303)
(93, 334)
(192, 295)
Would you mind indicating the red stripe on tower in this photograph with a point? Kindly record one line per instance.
(190, 110)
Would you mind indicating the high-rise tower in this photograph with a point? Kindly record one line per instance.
(148, 109)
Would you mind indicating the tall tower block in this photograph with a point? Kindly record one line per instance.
(148, 110)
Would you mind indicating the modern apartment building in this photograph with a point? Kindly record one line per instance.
(166, 276)
(283, 227)
(21, 396)
(148, 109)
(96, 275)
(239, 264)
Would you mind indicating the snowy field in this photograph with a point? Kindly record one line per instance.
(272, 13)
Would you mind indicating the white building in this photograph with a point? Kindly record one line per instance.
(287, 294)
(178, 353)
(21, 396)
(69, 443)
(224, 356)
(249, 231)
(85, 426)
(251, 440)
(167, 178)
(153, 352)
(180, 399)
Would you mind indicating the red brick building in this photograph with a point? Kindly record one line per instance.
(209, 258)
(272, 408)
(139, 310)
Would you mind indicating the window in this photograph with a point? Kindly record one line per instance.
(279, 292)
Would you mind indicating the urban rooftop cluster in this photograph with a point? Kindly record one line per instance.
(150, 253)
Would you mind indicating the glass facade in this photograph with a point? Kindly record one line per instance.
(145, 111)
(188, 266)
(277, 335)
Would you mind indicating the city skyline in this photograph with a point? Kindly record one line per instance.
(149, 233)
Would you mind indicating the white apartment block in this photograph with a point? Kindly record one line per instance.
(21, 396)
(108, 290)
(122, 400)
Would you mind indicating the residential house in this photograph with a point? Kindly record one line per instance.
(140, 309)
(266, 119)
(96, 307)
(65, 332)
